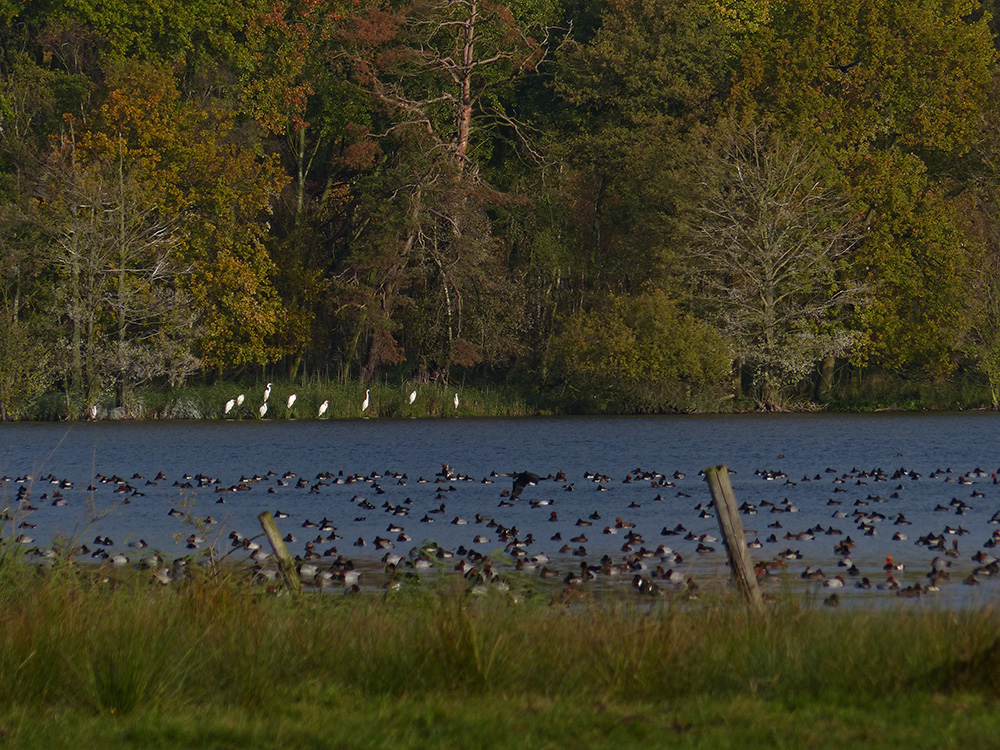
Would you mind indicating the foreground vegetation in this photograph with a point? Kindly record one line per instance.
(218, 662)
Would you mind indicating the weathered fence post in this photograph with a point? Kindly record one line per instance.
(286, 565)
(732, 533)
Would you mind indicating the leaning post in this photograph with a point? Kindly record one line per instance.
(732, 534)
(286, 565)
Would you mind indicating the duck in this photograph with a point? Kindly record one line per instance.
(813, 575)
(890, 584)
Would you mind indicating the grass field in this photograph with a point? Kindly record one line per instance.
(218, 662)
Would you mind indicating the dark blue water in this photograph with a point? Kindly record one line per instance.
(800, 446)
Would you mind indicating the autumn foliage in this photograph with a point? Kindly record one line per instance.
(540, 191)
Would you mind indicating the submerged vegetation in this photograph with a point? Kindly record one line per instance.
(603, 206)
(216, 661)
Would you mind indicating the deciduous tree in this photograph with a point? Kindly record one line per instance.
(437, 73)
(891, 92)
(640, 352)
(774, 240)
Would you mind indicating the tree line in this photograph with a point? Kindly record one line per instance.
(646, 205)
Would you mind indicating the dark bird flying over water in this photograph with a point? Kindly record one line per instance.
(521, 481)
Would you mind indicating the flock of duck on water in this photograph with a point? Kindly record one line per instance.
(494, 555)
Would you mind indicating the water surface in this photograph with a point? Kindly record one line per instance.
(801, 447)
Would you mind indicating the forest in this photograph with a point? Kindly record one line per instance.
(639, 206)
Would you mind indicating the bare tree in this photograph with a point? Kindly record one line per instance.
(771, 250)
(127, 321)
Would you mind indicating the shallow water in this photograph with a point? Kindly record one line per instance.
(800, 446)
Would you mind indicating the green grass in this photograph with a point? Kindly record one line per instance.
(218, 662)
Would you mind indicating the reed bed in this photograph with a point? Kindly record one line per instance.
(387, 400)
(419, 667)
(477, 399)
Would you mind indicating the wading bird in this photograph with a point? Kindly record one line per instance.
(291, 400)
(413, 396)
(364, 404)
(323, 407)
(267, 393)
(456, 400)
(229, 405)
(263, 409)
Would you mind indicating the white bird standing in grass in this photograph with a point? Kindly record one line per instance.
(323, 407)
(291, 400)
(456, 400)
(413, 395)
(263, 409)
(267, 393)
(229, 405)
(364, 404)
(239, 400)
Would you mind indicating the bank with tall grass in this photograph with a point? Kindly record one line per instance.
(217, 661)
(481, 399)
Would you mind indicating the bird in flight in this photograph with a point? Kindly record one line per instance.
(521, 481)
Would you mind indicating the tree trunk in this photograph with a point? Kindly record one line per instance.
(825, 382)
(738, 379)
(121, 293)
(465, 106)
(300, 186)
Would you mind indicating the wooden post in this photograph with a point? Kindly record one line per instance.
(286, 565)
(732, 533)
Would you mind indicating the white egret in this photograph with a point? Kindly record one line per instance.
(263, 409)
(456, 400)
(364, 404)
(267, 393)
(323, 407)
(229, 405)
(93, 411)
(239, 400)
(291, 400)
(413, 395)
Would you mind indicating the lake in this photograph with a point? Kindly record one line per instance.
(811, 478)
